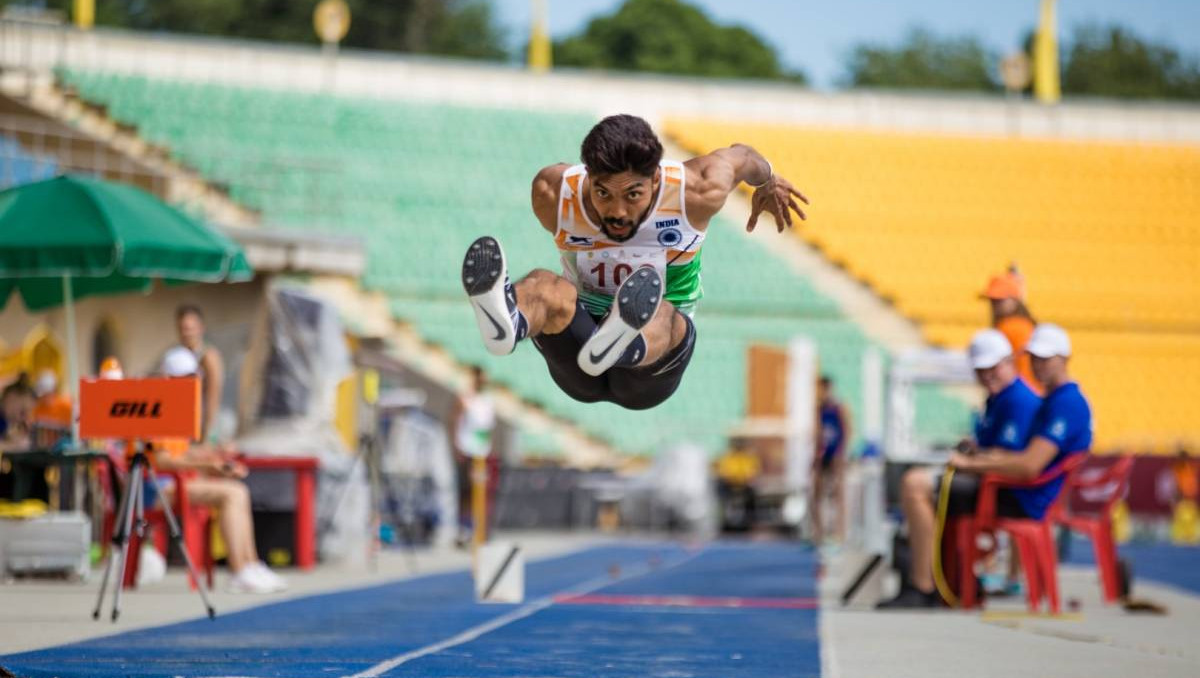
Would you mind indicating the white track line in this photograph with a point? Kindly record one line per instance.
(827, 645)
(516, 615)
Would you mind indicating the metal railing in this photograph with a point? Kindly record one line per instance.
(33, 148)
(49, 148)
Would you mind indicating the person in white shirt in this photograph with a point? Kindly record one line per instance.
(473, 433)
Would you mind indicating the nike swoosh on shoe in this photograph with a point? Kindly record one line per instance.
(500, 333)
(597, 357)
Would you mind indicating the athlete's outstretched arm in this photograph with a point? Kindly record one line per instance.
(545, 195)
(712, 177)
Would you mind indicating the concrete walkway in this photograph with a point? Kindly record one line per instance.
(1099, 642)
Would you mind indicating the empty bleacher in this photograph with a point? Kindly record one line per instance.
(1107, 235)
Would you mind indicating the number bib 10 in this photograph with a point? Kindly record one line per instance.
(603, 271)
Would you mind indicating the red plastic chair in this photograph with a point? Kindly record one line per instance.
(1112, 481)
(1034, 539)
(194, 525)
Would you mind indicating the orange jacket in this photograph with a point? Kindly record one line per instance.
(1017, 329)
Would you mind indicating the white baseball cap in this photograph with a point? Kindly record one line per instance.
(46, 383)
(178, 361)
(1049, 340)
(988, 348)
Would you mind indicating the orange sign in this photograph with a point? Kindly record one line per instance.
(140, 408)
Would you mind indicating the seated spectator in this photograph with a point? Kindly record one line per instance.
(1061, 428)
(219, 485)
(1185, 522)
(52, 412)
(737, 470)
(53, 407)
(189, 323)
(1006, 425)
(16, 415)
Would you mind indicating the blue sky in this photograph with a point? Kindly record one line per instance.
(815, 35)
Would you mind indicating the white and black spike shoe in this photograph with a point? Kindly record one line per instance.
(485, 279)
(634, 305)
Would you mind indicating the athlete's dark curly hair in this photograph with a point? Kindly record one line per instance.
(621, 143)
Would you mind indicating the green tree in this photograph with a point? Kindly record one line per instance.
(670, 36)
(1113, 62)
(923, 61)
(466, 28)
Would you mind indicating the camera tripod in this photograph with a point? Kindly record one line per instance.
(130, 516)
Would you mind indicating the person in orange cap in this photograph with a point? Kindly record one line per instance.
(111, 369)
(53, 408)
(1006, 294)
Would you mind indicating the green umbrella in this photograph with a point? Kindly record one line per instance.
(106, 238)
(73, 237)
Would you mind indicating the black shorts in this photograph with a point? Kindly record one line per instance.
(634, 388)
(964, 496)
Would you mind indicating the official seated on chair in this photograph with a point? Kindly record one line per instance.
(218, 484)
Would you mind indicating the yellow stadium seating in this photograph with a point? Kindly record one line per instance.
(1107, 235)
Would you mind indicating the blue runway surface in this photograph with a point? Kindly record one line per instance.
(634, 610)
(1177, 566)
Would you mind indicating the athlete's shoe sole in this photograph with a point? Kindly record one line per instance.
(484, 277)
(634, 306)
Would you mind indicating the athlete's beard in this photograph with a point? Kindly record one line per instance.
(606, 222)
(618, 222)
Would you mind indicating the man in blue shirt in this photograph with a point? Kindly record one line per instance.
(829, 460)
(1061, 428)
(1007, 421)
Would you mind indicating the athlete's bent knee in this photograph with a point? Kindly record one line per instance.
(553, 292)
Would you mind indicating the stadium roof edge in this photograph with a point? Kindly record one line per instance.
(305, 50)
(384, 76)
(277, 250)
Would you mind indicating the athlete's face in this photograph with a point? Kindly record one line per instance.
(622, 201)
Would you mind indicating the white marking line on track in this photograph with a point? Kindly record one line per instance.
(827, 645)
(506, 619)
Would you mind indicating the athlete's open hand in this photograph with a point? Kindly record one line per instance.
(778, 198)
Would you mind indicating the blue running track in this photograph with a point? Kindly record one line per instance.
(724, 610)
(1177, 566)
